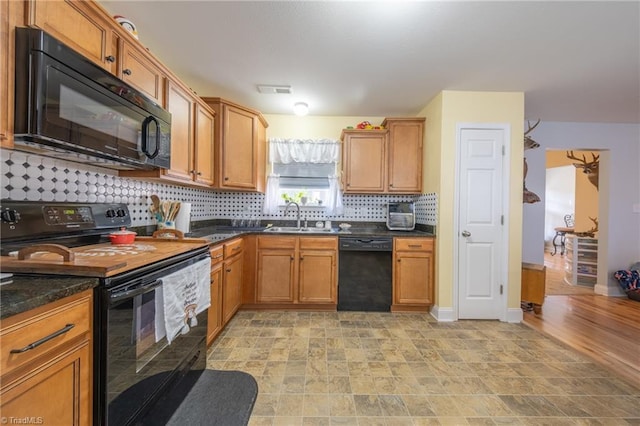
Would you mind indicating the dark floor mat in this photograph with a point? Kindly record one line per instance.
(222, 398)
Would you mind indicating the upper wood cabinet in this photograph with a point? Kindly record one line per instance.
(364, 160)
(136, 68)
(240, 146)
(405, 154)
(413, 274)
(82, 25)
(11, 15)
(384, 161)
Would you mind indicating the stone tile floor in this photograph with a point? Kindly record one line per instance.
(356, 368)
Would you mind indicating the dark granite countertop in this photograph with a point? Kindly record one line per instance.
(26, 292)
(219, 233)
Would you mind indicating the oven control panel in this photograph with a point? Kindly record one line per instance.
(28, 219)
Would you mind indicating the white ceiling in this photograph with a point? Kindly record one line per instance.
(575, 61)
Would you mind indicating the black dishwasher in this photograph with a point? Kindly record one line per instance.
(364, 278)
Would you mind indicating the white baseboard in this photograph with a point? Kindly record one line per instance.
(514, 315)
(612, 291)
(442, 314)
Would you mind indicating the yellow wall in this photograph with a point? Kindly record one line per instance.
(312, 126)
(474, 107)
(586, 195)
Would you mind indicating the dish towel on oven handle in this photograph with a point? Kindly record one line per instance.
(185, 294)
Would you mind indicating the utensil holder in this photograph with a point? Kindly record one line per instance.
(167, 224)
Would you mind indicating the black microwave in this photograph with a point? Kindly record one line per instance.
(68, 107)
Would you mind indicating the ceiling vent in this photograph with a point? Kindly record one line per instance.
(274, 90)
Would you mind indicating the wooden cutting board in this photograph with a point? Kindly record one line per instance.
(88, 262)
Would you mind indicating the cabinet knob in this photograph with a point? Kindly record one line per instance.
(126, 71)
(199, 173)
(291, 257)
(301, 258)
(229, 270)
(390, 185)
(110, 58)
(226, 178)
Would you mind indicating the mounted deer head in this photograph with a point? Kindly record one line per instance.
(591, 232)
(590, 168)
(528, 142)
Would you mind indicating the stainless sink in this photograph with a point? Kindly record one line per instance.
(293, 229)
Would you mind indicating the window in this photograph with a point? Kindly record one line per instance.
(304, 171)
(305, 183)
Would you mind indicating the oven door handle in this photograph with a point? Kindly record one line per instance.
(128, 294)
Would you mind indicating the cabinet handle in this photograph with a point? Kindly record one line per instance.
(415, 245)
(110, 58)
(217, 257)
(43, 340)
(126, 71)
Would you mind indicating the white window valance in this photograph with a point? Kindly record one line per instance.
(288, 151)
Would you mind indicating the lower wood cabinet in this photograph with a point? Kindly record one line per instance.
(296, 270)
(413, 275)
(231, 279)
(50, 383)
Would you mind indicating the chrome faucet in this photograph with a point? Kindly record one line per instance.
(286, 209)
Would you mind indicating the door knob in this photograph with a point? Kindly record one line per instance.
(466, 234)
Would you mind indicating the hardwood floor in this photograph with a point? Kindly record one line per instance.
(605, 328)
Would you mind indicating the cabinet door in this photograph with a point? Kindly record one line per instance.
(413, 272)
(275, 276)
(180, 105)
(141, 73)
(214, 320)
(231, 287)
(77, 24)
(239, 163)
(363, 162)
(405, 156)
(59, 390)
(317, 283)
(11, 15)
(204, 146)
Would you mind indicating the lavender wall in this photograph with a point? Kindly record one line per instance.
(619, 188)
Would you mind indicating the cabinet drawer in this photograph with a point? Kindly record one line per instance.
(232, 248)
(316, 243)
(44, 323)
(413, 244)
(217, 254)
(276, 242)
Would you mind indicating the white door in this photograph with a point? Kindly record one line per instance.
(480, 203)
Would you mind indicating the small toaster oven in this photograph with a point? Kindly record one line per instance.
(401, 216)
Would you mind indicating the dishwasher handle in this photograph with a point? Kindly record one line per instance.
(366, 244)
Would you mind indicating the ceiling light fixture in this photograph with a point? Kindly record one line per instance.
(300, 108)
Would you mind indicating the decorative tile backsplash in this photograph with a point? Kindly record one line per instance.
(35, 178)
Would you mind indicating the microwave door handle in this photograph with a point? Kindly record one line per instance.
(145, 137)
